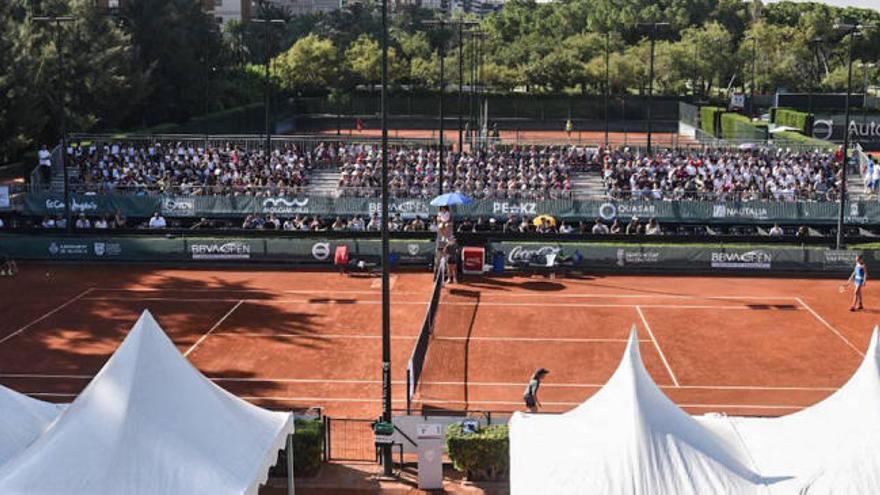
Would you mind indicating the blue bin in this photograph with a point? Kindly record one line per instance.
(498, 262)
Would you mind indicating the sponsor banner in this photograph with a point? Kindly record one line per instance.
(4, 197)
(212, 249)
(756, 259)
(678, 258)
(857, 212)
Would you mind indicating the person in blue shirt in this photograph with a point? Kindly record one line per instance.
(859, 277)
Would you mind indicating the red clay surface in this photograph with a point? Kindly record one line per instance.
(300, 339)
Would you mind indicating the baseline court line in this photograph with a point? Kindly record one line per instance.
(334, 381)
(422, 303)
(219, 322)
(342, 336)
(50, 313)
(828, 325)
(488, 294)
(659, 351)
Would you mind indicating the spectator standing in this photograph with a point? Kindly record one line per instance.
(45, 158)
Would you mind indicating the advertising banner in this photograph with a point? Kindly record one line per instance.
(743, 212)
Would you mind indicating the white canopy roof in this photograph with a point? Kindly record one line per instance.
(22, 421)
(150, 423)
(629, 438)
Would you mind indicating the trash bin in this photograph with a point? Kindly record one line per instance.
(498, 262)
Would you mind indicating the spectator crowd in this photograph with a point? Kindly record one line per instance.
(186, 169)
(529, 172)
(752, 174)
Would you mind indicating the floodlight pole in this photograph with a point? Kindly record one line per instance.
(607, 81)
(62, 117)
(653, 27)
(442, 51)
(752, 96)
(267, 89)
(387, 464)
(851, 30)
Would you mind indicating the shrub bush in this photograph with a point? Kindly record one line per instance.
(736, 126)
(710, 119)
(798, 138)
(308, 447)
(801, 121)
(482, 456)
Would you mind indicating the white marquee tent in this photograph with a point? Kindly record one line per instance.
(22, 421)
(150, 423)
(629, 438)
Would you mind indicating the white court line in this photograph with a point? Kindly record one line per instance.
(317, 336)
(219, 322)
(470, 402)
(422, 303)
(486, 294)
(659, 351)
(50, 313)
(356, 381)
(828, 325)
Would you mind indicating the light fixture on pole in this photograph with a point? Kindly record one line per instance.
(57, 21)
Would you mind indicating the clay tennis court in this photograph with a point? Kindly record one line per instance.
(299, 339)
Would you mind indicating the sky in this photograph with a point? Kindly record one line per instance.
(865, 4)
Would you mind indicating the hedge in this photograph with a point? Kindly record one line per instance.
(798, 138)
(801, 121)
(736, 126)
(482, 456)
(709, 119)
(308, 447)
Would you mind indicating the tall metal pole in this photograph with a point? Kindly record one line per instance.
(62, 104)
(752, 96)
(651, 88)
(266, 89)
(607, 80)
(652, 27)
(62, 84)
(442, 116)
(460, 92)
(842, 203)
(386, 293)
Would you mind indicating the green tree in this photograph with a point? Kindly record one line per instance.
(363, 59)
(311, 63)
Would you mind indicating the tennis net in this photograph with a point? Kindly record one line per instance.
(417, 360)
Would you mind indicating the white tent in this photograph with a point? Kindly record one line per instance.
(22, 421)
(150, 423)
(830, 439)
(629, 438)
